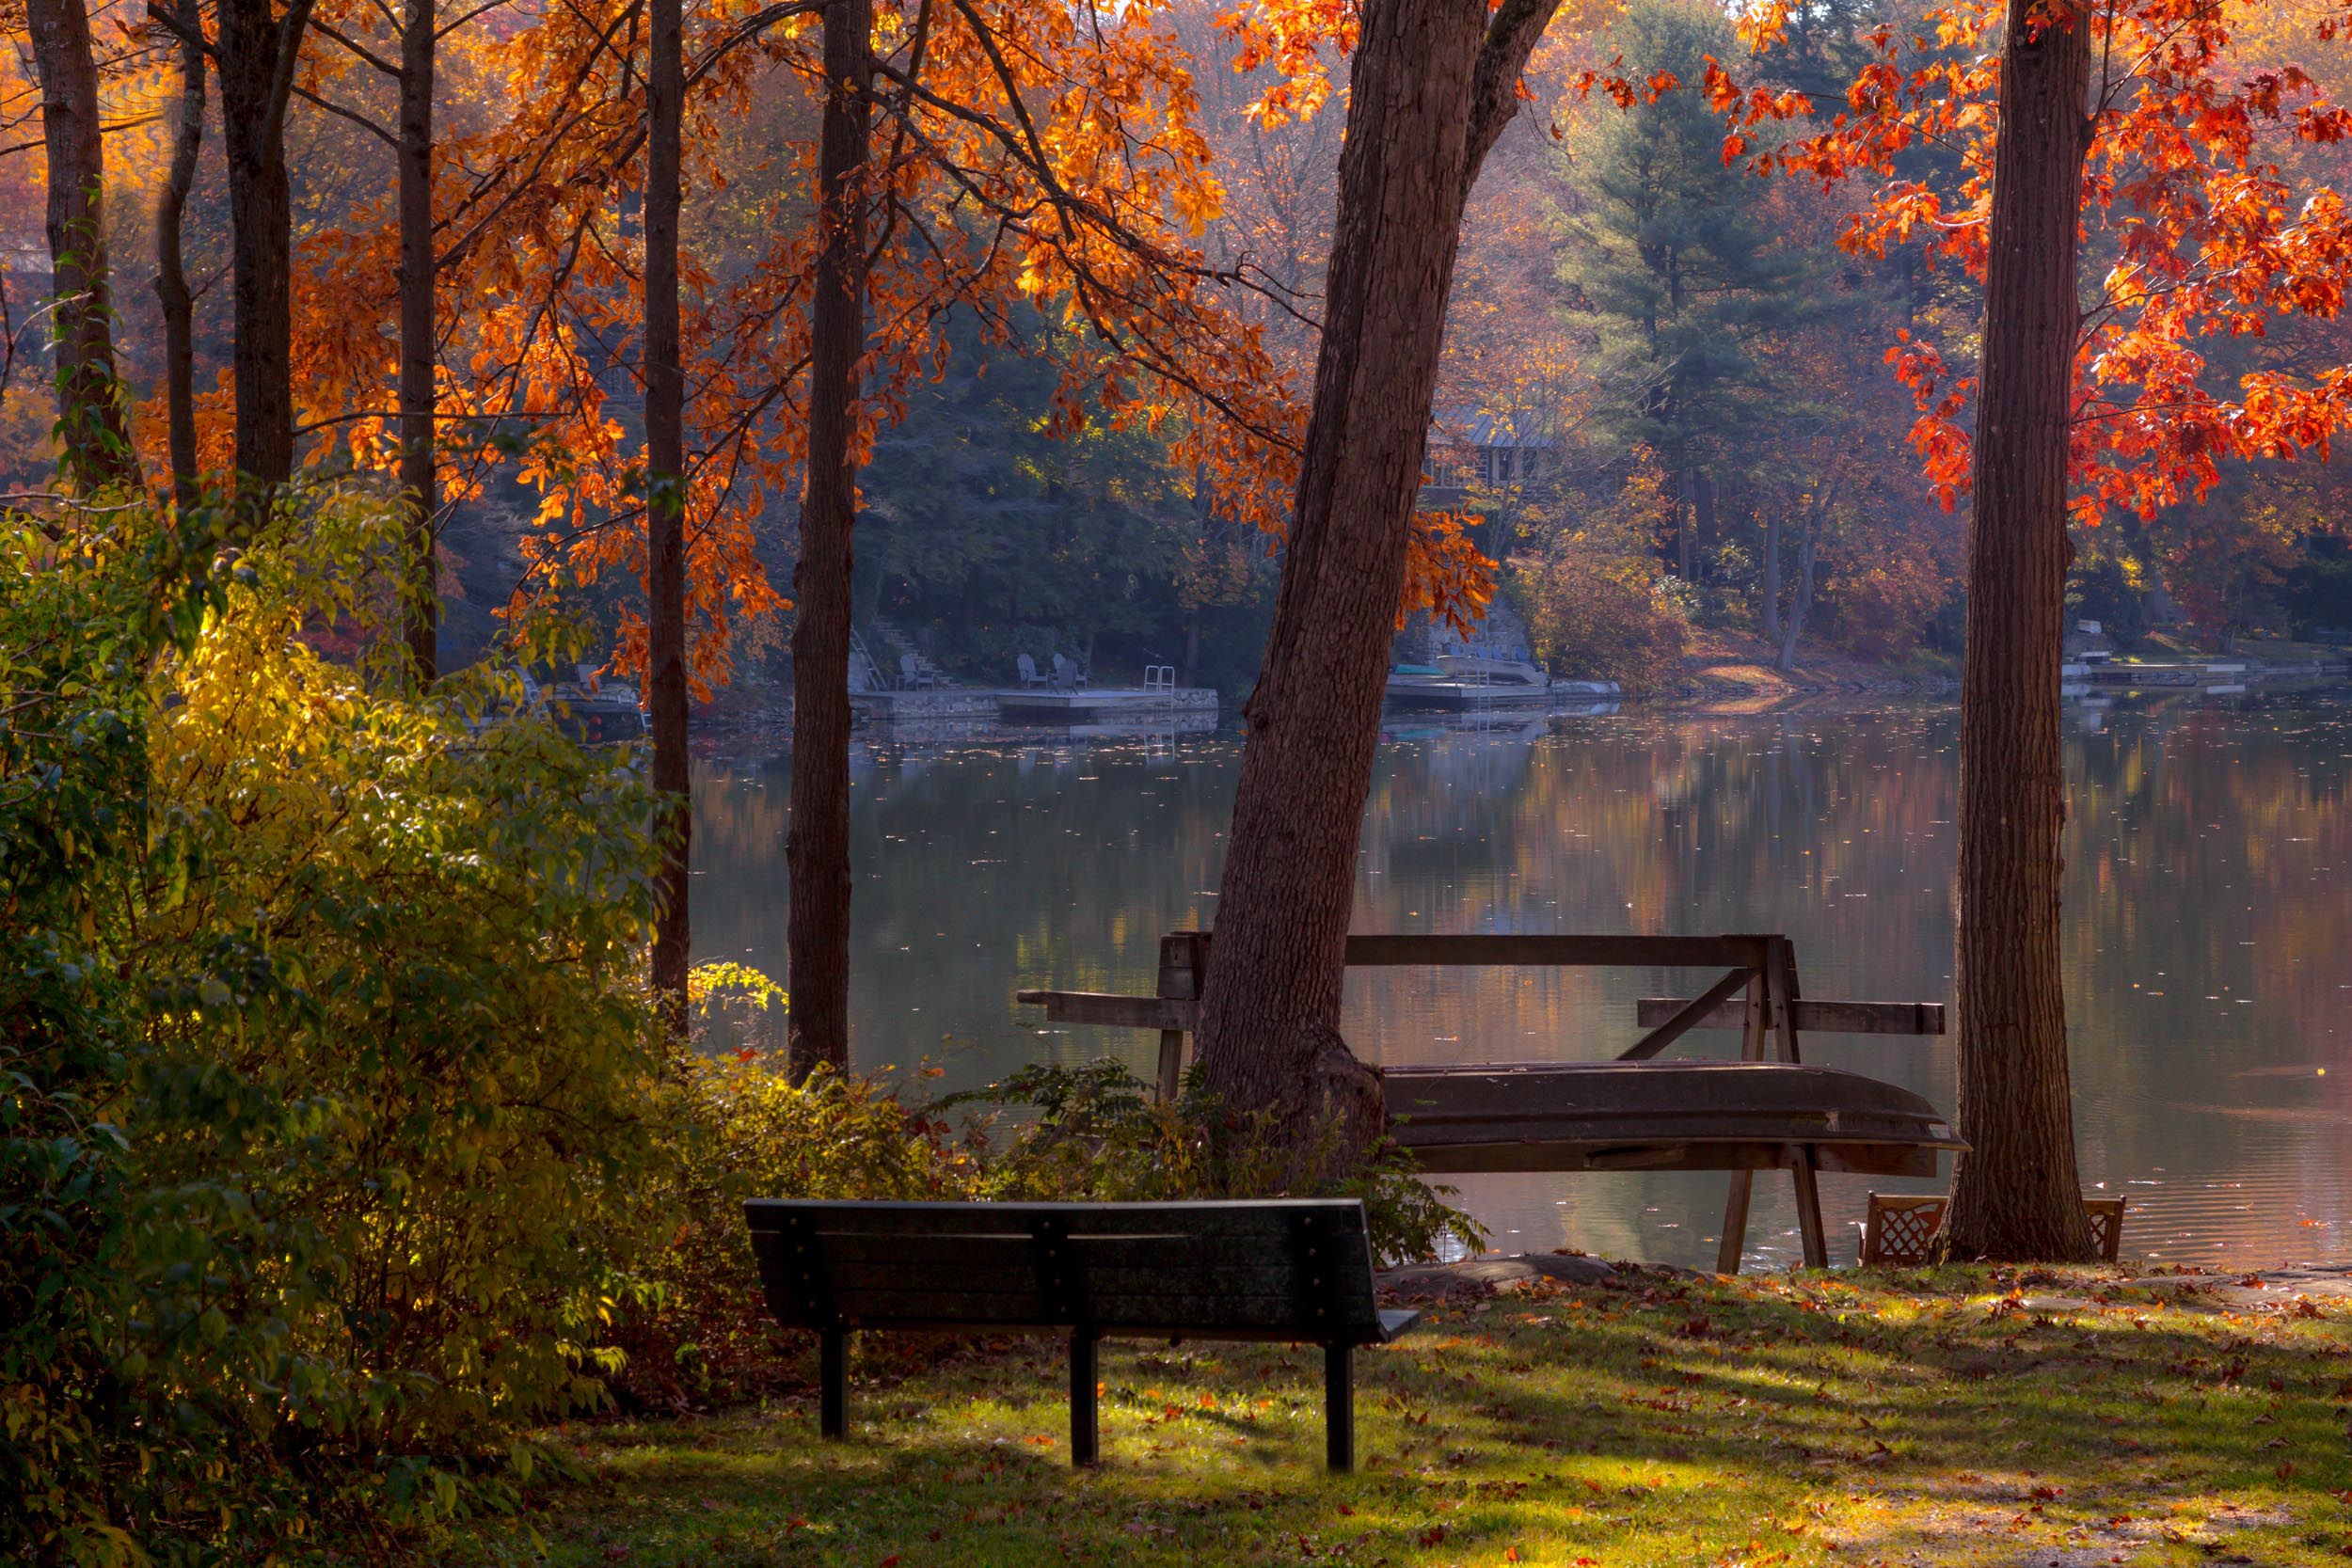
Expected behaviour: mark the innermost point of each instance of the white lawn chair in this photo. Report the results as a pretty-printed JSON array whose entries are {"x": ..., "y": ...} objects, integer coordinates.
[
  {"x": 1028, "y": 671},
  {"x": 1067, "y": 674}
]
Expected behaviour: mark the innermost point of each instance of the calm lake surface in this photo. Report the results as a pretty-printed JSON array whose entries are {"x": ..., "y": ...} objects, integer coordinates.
[{"x": 2208, "y": 957}]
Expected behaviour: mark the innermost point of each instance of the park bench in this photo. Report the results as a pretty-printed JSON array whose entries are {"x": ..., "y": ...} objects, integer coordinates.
[
  {"x": 1292, "y": 1271},
  {"x": 1770, "y": 1110}
]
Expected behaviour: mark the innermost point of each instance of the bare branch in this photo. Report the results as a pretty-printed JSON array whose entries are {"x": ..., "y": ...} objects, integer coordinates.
[{"x": 352, "y": 115}]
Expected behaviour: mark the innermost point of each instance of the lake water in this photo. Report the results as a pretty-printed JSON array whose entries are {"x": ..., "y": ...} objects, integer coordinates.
[{"x": 2208, "y": 955}]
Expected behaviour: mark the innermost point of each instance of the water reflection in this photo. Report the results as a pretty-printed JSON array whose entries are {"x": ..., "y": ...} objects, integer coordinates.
[{"x": 2208, "y": 924}]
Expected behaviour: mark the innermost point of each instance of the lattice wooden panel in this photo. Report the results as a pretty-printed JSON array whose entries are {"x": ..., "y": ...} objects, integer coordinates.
[
  {"x": 2107, "y": 1224},
  {"x": 1899, "y": 1230}
]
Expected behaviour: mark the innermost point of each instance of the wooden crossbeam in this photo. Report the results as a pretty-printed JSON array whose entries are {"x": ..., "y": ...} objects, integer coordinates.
[
  {"x": 1726, "y": 952},
  {"x": 1685, "y": 1018},
  {"x": 1810, "y": 1017},
  {"x": 1129, "y": 1012},
  {"x": 1651, "y": 1012}
]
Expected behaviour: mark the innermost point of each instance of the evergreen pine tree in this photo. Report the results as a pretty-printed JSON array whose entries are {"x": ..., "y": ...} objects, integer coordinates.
[{"x": 1671, "y": 259}]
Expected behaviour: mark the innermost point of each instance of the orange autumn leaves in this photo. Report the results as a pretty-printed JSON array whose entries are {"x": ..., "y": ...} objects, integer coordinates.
[
  {"x": 2210, "y": 223},
  {"x": 1032, "y": 162}
]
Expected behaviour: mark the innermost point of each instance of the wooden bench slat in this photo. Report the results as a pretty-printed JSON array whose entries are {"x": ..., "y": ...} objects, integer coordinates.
[
  {"x": 1139, "y": 1280},
  {"x": 1201, "y": 1315},
  {"x": 1166, "y": 1254},
  {"x": 1272, "y": 1217}
]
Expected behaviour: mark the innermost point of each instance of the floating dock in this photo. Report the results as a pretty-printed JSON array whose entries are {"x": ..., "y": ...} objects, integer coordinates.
[
  {"x": 1103, "y": 704},
  {"x": 1474, "y": 696},
  {"x": 1062, "y": 705}
]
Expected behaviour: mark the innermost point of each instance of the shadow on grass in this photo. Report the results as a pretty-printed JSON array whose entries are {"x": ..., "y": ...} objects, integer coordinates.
[{"x": 1834, "y": 1419}]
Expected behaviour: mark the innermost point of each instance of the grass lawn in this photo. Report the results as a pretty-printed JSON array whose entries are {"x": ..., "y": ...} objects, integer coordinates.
[{"x": 1961, "y": 1417}]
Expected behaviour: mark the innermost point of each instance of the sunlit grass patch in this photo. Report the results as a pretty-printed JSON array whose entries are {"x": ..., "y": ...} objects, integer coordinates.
[{"x": 1950, "y": 1418}]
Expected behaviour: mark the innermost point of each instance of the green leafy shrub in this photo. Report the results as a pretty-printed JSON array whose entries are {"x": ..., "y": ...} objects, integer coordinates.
[
  {"x": 345, "y": 1010},
  {"x": 742, "y": 1128},
  {"x": 1098, "y": 1133},
  {"x": 81, "y": 615},
  {"x": 738, "y": 1127}
]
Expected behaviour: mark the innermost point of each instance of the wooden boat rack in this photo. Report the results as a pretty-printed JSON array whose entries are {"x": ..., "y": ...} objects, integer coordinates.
[{"x": 1769, "y": 1110}]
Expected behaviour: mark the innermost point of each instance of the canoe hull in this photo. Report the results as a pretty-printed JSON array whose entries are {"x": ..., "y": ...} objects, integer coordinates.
[{"x": 1661, "y": 1116}]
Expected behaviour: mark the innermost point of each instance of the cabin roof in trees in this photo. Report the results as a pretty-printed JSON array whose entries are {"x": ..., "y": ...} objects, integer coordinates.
[{"x": 1518, "y": 430}]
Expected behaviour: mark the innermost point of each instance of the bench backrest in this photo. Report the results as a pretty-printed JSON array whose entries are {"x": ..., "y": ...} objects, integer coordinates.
[{"x": 1279, "y": 1269}]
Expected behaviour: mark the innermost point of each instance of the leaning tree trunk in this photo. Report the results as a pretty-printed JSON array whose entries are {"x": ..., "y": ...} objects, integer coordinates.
[
  {"x": 255, "y": 62},
  {"x": 2015, "y": 1194},
  {"x": 665, "y": 503},
  {"x": 97, "y": 444},
  {"x": 171, "y": 272},
  {"x": 1432, "y": 84},
  {"x": 419, "y": 478},
  {"x": 817, "y": 846}
]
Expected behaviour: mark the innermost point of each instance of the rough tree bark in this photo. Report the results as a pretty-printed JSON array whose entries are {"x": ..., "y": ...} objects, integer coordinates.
[
  {"x": 419, "y": 478},
  {"x": 171, "y": 273},
  {"x": 665, "y": 500},
  {"x": 1431, "y": 86},
  {"x": 98, "y": 450},
  {"x": 817, "y": 845},
  {"x": 1800, "y": 602},
  {"x": 1771, "y": 575},
  {"x": 257, "y": 49},
  {"x": 2015, "y": 1193}
]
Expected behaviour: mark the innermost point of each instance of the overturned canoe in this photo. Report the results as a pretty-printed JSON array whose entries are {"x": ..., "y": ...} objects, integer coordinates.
[{"x": 1660, "y": 1116}]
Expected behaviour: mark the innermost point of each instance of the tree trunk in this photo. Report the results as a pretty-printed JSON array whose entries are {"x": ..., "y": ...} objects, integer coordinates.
[
  {"x": 665, "y": 503},
  {"x": 1772, "y": 576},
  {"x": 419, "y": 478},
  {"x": 2015, "y": 1194},
  {"x": 1686, "y": 509},
  {"x": 171, "y": 274},
  {"x": 256, "y": 66},
  {"x": 1431, "y": 86},
  {"x": 97, "y": 443},
  {"x": 817, "y": 845},
  {"x": 1702, "y": 510},
  {"x": 1800, "y": 602}
]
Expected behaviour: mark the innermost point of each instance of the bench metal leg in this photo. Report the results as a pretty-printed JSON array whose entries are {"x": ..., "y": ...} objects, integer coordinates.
[
  {"x": 834, "y": 1383},
  {"x": 1338, "y": 1407},
  {"x": 1085, "y": 1373}
]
